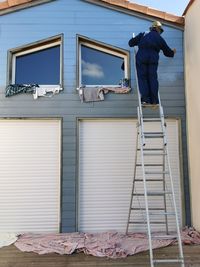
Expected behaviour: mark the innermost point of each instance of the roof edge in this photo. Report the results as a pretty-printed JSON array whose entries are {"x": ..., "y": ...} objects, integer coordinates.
[
  {"x": 126, "y": 6},
  {"x": 15, "y": 5},
  {"x": 188, "y": 7},
  {"x": 121, "y": 5}
]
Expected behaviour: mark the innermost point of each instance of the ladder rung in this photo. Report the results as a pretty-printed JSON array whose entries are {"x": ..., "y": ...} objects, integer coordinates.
[
  {"x": 149, "y": 165},
  {"x": 153, "y": 193},
  {"x": 169, "y": 261},
  {"x": 149, "y": 180},
  {"x": 151, "y": 149},
  {"x": 162, "y": 213},
  {"x": 151, "y": 119},
  {"x": 144, "y": 222},
  {"x": 153, "y": 135},
  {"x": 157, "y": 193},
  {"x": 156, "y": 172},
  {"x": 153, "y": 132},
  {"x": 148, "y": 105},
  {"x": 154, "y": 154},
  {"x": 149, "y": 208}
]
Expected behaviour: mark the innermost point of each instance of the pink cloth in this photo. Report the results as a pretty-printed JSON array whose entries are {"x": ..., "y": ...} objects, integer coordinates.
[
  {"x": 190, "y": 236},
  {"x": 109, "y": 244}
]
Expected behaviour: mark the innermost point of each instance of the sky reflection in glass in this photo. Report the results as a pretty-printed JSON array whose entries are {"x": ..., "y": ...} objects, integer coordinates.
[
  {"x": 40, "y": 67},
  {"x": 100, "y": 68}
]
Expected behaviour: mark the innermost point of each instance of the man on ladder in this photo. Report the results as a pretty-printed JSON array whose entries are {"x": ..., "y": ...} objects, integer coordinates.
[
  {"x": 152, "y": 162},
  {"x": 147, "y": 58}
]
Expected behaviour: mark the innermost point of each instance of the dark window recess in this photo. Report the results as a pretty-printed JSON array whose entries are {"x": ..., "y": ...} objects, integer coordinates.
[
  {"x": 100, "y": 68},
  {"x": 40, "y": 67}
]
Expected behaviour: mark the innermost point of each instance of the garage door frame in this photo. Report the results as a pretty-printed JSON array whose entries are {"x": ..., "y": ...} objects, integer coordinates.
[
  {"x": 60, "y": 148},
  {"x": 177, "y": 119}
]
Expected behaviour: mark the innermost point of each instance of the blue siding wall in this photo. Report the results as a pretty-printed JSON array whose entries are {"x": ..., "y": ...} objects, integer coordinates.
[{"x": 74, "y": 17}]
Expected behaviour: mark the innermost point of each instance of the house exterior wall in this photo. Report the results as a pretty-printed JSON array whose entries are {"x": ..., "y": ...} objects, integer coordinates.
[
  {"x": 104, "y": 25},
  {"x": 192, "y": 66}
]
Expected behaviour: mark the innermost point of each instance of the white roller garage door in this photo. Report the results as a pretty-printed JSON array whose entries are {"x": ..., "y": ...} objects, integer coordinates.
[
  {"x": 29, "y": 175},
  {"x": 106, "y": 166}
]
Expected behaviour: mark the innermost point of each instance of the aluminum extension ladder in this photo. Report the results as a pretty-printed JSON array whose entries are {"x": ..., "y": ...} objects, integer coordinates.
[{"x": 152, "y": 166}]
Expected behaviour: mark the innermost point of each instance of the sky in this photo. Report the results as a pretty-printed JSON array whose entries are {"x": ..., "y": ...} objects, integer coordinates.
[{"x": 175, "y": 7}]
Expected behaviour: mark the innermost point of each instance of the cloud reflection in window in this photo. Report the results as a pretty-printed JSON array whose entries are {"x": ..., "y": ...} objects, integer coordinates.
[
  {"x": 92, "y": 70},
  {"x": 100, "y": 67}
]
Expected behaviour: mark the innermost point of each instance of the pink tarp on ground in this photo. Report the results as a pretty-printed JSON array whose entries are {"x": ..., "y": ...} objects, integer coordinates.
[
  {"x": 190, "y": 236},
  {"x": 108, "y": 244}
]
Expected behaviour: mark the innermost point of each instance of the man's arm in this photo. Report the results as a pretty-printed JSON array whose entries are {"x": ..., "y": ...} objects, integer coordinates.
[
  {"x": 167, "y": 51},
  {"x": 134, "y": 41}
]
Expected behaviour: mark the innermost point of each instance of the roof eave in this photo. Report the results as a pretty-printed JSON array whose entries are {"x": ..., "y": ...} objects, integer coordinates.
[
  {"x": 5, "y": 8},
  {"x": 119, "y": 5},
  {"x": 140, "y": 10}
]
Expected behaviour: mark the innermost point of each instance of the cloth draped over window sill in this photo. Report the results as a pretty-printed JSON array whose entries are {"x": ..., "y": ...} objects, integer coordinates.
[
  {"x": 46, "y": 91},
  {"x": 35, "y": 89},
  {"x": 90, "y": 94}
]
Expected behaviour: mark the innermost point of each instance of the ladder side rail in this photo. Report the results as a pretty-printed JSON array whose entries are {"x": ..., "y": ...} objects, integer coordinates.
[
  {"x": 164, "y": 189},
  {"x": 163, "y": 126},
  {"x": 133, "y": 186},
  {"x": 141, "y": 124},
  {"x": 146, "y": 202},
  {"x": 162, "y": 118},
  {"x": 175, "y": 209},
  {"x": 140, "y": 113}
]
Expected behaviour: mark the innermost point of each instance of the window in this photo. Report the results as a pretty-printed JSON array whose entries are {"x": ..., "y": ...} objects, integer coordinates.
[
  {"x": 37, "y": 64},
  {"x": 101, "y": 65}
]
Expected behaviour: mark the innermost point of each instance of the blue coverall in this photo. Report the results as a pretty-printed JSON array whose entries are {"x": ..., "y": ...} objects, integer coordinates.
[{"x": 147, "y": 58}]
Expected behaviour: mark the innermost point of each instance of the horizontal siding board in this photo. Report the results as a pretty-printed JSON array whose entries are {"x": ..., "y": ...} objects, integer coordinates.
[{"x": 131, "y": 104}]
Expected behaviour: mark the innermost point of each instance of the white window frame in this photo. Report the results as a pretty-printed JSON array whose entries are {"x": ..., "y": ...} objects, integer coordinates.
[
  {"x": 39, "y": 47},
  {"x": 108, "y": 50}
]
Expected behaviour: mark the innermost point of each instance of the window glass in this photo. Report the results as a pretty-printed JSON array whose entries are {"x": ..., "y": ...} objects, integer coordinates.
[
  {"x": 100, "y": 68},
  {"x": 40, "y": 67}
]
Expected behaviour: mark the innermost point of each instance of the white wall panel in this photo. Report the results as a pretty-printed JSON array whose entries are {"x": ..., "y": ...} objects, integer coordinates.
[
  {"x": 106, "y": 166},
  {"x": 29, "y": 175}
]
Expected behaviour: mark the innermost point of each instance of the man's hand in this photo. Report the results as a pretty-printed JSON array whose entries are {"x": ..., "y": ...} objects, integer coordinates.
[{"x": 174, "y": 50}]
